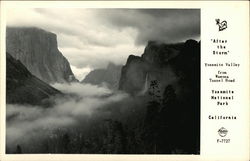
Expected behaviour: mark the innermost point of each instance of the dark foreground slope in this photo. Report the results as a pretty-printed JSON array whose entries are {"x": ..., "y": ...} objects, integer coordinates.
[{"x": 24, "y": 88}]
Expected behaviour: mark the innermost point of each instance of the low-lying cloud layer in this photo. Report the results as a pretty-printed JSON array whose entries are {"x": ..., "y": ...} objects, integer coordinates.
[
  {"x": 90, "y": 38},
  {"x": 24, "y": 121}
]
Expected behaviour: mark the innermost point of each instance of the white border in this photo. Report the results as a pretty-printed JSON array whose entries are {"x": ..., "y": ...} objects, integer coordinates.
[{"x": 207, "y": 8}]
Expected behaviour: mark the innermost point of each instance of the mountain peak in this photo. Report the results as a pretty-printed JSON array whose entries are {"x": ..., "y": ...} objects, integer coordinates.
[
  {"x": 111, "y": 65},
  {"x": 109, "y": 76},
  {"x": 29, "y": 29},
  {"x": 37, "y": 50},
  {"x": 157, "y": 63}
]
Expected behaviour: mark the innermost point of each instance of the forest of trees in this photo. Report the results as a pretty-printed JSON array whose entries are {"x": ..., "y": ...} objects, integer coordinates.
[{"x": 160, "y": 126}]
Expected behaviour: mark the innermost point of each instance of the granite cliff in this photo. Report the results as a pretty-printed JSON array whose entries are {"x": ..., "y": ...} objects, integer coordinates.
[
  {"x": 169, "y": 76},
  {"x": 38, "y": 52},
  {"x": 166, "y": 63}
]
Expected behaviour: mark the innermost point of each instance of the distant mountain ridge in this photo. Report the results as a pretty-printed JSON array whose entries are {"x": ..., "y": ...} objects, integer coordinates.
[
  {"x": 37, "y": 50},
  {"x": 109, "y": 76},
  {"x": 24, "y": 88}
]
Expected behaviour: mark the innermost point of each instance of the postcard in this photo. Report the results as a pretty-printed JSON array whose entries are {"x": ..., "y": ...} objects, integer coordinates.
[{"x": 124, "y": 80}]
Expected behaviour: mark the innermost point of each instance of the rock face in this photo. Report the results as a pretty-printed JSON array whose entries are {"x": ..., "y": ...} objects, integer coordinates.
[
  {"x": 169, "y": 76},
  {"x": 162, "y": 62},
  {"x": 24, "y": 88},
  {"x": 37, "y": 50},
  {"x": 109, "y": 76}
]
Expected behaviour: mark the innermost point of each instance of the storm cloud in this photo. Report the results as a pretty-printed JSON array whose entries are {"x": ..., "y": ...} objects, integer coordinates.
[
  {"x": 90, "y": 38},
  {"x": 171, "y": 25}
]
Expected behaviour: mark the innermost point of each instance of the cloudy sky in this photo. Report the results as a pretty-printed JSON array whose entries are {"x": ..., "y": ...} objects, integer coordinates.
[{"x": 90, "y": 38}]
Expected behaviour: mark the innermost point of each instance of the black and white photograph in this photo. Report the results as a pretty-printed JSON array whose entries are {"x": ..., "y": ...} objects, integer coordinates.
[{"x": 103, "y": 81}]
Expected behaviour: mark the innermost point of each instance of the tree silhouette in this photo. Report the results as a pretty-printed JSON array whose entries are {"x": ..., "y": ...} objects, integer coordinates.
[
  {"x": 154, "y": 90},
  {"x": 65, "y": 143},
  {"x": 18, "y": 149},
  {"x": 151, "y": 125},
  {"x": 168, "y": 95}
]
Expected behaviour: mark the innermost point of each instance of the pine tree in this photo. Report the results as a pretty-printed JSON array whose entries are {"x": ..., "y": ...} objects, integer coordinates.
[
  {"x": 65, "y": 143},
  {"x": 154, "y": 90},
  {"x": 151, "y": 125},
  {"x": 18, "y": 149}
]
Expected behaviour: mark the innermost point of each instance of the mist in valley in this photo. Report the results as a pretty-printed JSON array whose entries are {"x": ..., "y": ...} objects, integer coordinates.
[
  {"x": 102, "y": 81},
  {"x": 85, "y": 110}
]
